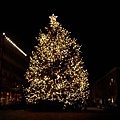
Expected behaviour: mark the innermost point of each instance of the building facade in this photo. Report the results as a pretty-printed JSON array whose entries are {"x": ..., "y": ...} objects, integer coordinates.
[
  {"x": 107, "y": 89},
  {"x": 13, "y": 64}
]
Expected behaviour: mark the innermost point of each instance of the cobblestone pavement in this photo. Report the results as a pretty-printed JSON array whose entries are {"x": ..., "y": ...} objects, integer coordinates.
[{"x": 90, "y": 114}]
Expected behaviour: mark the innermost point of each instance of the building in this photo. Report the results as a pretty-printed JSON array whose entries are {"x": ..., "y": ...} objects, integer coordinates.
[
  {"x": 13, "y": 65},
  {"x": 107, "y": 89}
]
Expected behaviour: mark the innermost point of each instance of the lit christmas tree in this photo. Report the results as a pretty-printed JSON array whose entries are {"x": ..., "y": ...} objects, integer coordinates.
[{"x": 56, "y": 70}]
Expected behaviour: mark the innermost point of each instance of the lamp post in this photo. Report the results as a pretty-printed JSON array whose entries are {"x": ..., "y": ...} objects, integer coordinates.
[{"x": 112, "y": 89}]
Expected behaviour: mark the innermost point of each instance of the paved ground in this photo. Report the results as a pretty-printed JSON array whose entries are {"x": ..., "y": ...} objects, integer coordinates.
[{"x": 90, "y": 114}]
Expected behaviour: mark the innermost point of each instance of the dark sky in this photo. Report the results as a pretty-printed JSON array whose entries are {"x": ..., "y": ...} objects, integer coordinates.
[{"x": 95, "y": 25}]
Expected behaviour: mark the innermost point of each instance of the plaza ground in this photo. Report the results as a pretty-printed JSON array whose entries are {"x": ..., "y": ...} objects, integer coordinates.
[{"x": 90, "y": 114}]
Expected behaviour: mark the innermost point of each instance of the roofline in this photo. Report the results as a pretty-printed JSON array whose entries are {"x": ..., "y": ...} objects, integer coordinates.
[{"x": 113, "y": 69}]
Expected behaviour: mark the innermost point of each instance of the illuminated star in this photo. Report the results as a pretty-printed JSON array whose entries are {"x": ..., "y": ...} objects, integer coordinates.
[{"x": 53, "y": 18}]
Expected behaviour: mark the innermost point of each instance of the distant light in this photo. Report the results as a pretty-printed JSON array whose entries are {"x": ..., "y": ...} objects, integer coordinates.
[
  {"x": 15, "y": 45},
  {"x": 111, "y": 79},
  {"x": 112, "y": 100}
]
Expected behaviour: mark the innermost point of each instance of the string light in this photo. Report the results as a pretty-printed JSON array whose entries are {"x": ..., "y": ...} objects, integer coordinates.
[{"x": 8, "y": 39}]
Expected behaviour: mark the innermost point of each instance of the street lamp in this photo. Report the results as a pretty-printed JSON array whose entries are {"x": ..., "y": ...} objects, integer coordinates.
[{"x": 112, "y": 89}]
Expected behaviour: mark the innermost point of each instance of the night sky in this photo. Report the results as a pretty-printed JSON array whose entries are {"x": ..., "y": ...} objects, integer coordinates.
[{"x": 95, "y": 25}]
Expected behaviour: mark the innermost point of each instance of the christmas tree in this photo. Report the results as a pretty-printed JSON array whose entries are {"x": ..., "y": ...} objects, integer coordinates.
[{"x": 56, "y": 69}]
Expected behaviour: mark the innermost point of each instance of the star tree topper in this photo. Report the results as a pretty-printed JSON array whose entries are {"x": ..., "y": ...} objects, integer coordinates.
[{"x": 53, "y": 18}]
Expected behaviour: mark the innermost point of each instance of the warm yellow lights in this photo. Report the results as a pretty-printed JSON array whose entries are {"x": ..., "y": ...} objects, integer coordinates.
[
  {"x": 56, "y": 69},
  {"x": 8, "y": 39}
]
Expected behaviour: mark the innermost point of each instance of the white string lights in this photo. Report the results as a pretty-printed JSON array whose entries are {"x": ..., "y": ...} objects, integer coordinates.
[{"x": 8, "y": 39}]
